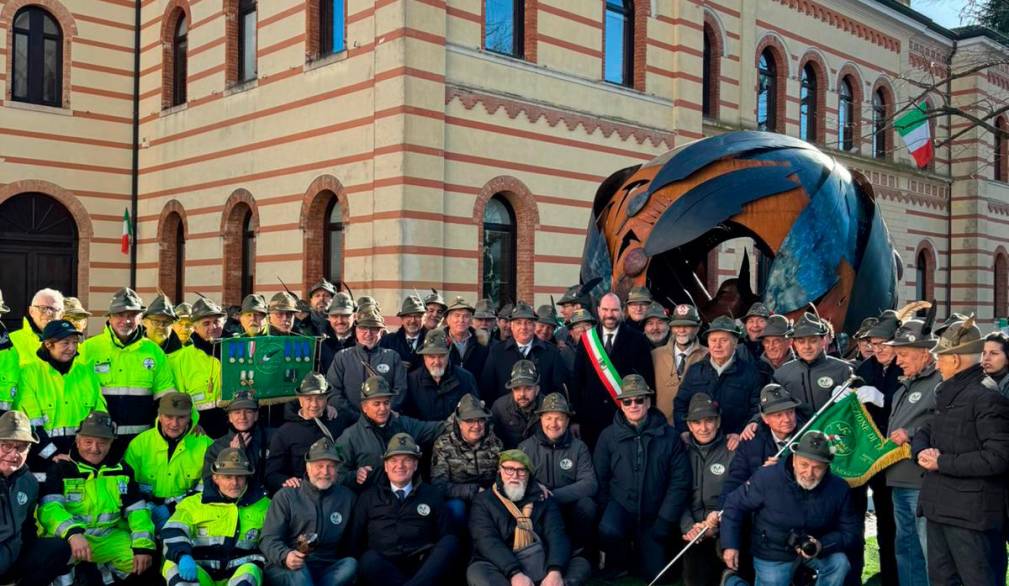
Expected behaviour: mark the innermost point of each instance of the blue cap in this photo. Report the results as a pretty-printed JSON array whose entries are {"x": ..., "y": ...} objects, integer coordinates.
[{"x": 59, "y": 329}]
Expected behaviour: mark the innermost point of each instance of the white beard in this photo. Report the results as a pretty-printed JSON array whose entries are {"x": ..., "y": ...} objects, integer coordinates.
[
  {"x": 808, "y": 486},
  {"x": 684, "y": 340},
  {"x": 436, "y": 372},
  {"x": 515, "y": 493}
]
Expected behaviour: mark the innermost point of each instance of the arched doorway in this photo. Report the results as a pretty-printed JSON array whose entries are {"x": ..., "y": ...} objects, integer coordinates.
[{"x": 38, "y": 248}]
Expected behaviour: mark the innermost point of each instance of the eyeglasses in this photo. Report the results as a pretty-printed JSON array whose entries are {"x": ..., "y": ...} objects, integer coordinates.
[
  {"x": 8, "y": 447},
  {"x": 634, "y": 401},
  {"x": 48, "y": 309},
  {"x": 512, "y": 471}
]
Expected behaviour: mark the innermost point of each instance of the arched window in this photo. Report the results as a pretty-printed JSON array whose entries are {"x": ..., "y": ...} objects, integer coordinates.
[
  {"x": 332, "y": 27},
  {"x": 180, "y": 262},
  {"x": 807, "y": 104},
  {"x": 333, "y": 254},
  {"x": 924, "y": 272},
  {"x": 1001, "y": 161},
  {"x": 880, "y": 108},
  {"x": 503, "y": 26},
  {"x": 172, "y": 252},
  {"x": 499, "y": 243},
  {"x": 618, "y": 52},
  {"x": 180, "y": 46},
  {"x": 767, "y": 92},
  {"x": 248, "y": 254},
  {"x": 846, "y": 115},
  {"x": 711, "y": 73},
  {"x": 1001, "y": 286},
  {"x": 37, "y": 67},
  {"x": 247, "y": 15}
]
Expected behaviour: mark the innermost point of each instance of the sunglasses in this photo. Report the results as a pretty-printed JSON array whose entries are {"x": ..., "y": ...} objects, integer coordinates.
[{"x": 634, "y": 401}]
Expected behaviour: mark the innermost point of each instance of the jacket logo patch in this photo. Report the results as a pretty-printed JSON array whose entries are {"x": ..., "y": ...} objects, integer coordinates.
[
  {"x": 825, "y": 382},
  {"x": 717, "y": 469},
  {"x": 566, "y": 464},
  {"x": 22, "y": 498},
  {"x": 336, "y": 518},
  {"x": 149, "y": 363},
  {"x": 423, "y": 510},
  {"x": 123, "y": 486},
  {"x": 914, "y": 397},
  {"x": 382, "y": 368},
  {"x": 102, "y": 367}
]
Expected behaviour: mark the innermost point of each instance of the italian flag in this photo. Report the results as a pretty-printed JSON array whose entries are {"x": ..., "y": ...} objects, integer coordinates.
[
  {"x": 607, "y": 373},
  {"x": 127, "y": 232},
  {"x": 914, "y": 129}
]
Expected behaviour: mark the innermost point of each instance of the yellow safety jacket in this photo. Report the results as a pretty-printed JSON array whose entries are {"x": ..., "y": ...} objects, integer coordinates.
[
  {"x": 198, "y": 375},
  {"x": 10, "y": 375},
  {"x": 27, "y": 340},
  {"x": 163, "y": 479}
]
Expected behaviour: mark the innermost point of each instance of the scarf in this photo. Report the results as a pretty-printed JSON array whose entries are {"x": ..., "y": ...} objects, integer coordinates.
[{"x": 524, "y": 534}]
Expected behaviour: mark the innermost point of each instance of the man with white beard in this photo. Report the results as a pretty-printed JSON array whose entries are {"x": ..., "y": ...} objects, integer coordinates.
[
  {"x": 518, "y": 535},
  {"x": 434, "y": 389},
  {"x": 674, "y": 358},
  {"x": 801, "y": 515},
  {"x": 656, "y": 327}
]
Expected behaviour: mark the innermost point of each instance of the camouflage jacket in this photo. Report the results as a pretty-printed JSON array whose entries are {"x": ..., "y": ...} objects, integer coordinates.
[{"x": 460, "y": 469}]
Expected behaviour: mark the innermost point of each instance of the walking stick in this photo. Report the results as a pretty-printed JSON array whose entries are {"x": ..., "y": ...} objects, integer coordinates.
[
  {"x": 682, "y": 551},
  {"x": 854, "y": 382}
]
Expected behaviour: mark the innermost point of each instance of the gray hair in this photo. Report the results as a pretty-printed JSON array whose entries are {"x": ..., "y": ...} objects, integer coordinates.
[{"x": 55, "y": 295}]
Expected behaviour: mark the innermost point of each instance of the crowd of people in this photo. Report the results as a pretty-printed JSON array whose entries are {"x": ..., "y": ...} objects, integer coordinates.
[{"x": 493, "y": 446}]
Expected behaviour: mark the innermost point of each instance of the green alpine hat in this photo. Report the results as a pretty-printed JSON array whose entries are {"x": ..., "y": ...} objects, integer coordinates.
[
  {"x": 232, "y": 462},
  {"x": 203, "y": 308},
  {"x": 74, "y": 309},
  {"x": 376, "y": 387},
  {"x": 962, "y": 337},
  {"x": 313, "y": 384},
  {"x": 402, "y": 444},
  {"x": 634, "y": 385},
  {"x": 436, "y": 299},
  {"x": 523, "y": 375},
  {"x": 175, "y": 405},
  {"x": 341, "y": 304},
  {"x": 284, "y": 301},
  {"x": 125, "y": 299},
  {"x": 582, "y": 316},
  {"x": 243, "y": 400},
  {"x": 555, "y": 403},
  {"x": 701, "y": 407},
  {"x": 370, "y": 318},
  {"x": 572, "y": 295},
  {"x": 639, "y": 295},
  {"x": 655, "y": 310},
  {"x": 809, "y": 325},
  {"x": 506, "y": 312},
  {"x": 865, "y": 326},
  {"x": 161, "y": 306},
  {"x": 515, "y": 456},
  {"x": 368, "y": 303},
  {"x": 522, "y": 310},
  {"x": 775, "y": 398},
  {"x": 324, "y": 285},
  {"x": 722, "y": 323},
  {"x": 685, "y": 314},
  {"x": 546, "y": 315},
  {"x": 412, "y": 305},
  {"x": 911, "y": 334},
  {"x": 255, "y": 303},
  {"x": 184, "y": 311},
  {"x": 435, "y": 342},
  {"x": 323, "y": 449},
  {"x": 484, "y": 309},
  {"x": 470, "y": 407},
  {"x": 98, "y": 424},
  {"x": 459, "y": 303},
  {"x": 777, "y": 326},
  {"x": 952, "y": 319},
  {"x": 15, "y": 427},
  {"x": 758, "y": 309},
  {"x": 815, "y": 446},
  {"x": 886, "y": 327}
]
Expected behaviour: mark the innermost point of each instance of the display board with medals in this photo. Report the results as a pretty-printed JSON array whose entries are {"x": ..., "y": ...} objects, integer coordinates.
[{"x": 269, "y": 367}]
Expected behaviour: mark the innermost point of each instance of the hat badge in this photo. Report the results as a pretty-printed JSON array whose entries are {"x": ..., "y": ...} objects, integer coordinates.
[
  {"x": 682, "y": 310},
  {"x": 911, "y": 338}
]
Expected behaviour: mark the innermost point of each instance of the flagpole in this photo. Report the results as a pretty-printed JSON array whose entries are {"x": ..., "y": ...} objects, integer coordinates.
[
  {"x": 854, "y": 381},
  {"x": 682, "y": 551}
]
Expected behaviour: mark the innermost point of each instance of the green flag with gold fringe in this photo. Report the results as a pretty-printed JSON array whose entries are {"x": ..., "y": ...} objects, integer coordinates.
[{"x": 860, "y": 451}]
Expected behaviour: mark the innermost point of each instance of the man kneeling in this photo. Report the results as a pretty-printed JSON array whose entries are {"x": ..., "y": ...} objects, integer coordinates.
[
  {"x": 802, "y": 515},
  {"x": 519, "y": 537}
]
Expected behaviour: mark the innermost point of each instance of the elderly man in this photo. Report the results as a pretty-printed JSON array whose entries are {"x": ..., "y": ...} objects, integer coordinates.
[
  {"x": 10, "y": 370},
  {"x": 627, "y": 351},
  {"x": 158, "y": 319},
  {"x": 504, "y": 329},
  {"x": 25, "y": 558},
  {"x": 434, "y": 310},
  {"x": 253, "y": 315},
  {"x": 802, "y": 515},
  {"x": 546, "y": 324},
  {"x": 812, "y": 376},
  {"x": 863, "y": 347},
  {"x": 733, "y": 382},
  {"x": 244, "y": 433},
  {"x": 351, "y": 367},
  {"x": 776, "y": 345},
  {"x": 464, "y": 457},
  {"x": 168, "y": 460},
  {"x": 295, "y": 558},
  {"x": 132, "y": 370},
  {"x": 964, "y": 449},
  {"x": 644, "y": 482},
  {"x": 340, "y": 334},
  {"x": 434, "y": 390},
  {"x": 638, "y": 300},
  {"x": 523, "y": 345},
  {"x": 485, "y": 319},
  {"x": 197, "y": 367},
  {"x": 656, "y": 326},
  {"x": 213, "y": 537},
  {"x": 913, "y": 405},
  {"x": 466, "y": 348},
  {"x": 363, "y": 442},
  {"x": 571, "y": 301},
  {"x": 710, "y": 458},
  {"x": 92, "y": 500},
  {"x": 673, "y": 359},
  {"x": 518, "y": 536},
  {"x": 401, "y": 526},
  {"x": 283, "y": 307},
  {"x": 320, "y": 295},
  {"x": 754, "y": 322},
  {"x": 285, "y": 462},
  {"x": 409, "y": 338},
  {"x": 47, "y": 305},
  {"x": 562, "y": 465},
  {"x": 994, "y": 361},
  {"x": 515, "y": 413},
  {"x": 183, "y": 326}
]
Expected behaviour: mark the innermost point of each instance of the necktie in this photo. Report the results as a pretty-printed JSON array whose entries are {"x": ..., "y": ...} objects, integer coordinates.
[
  {"x": 681, "y": 360},
  {"x": 525, "y": 351},
  {"x": 609, "y": 343},
  {"x": 401, "y": 495},
  {"x": 412, "y": 342}
]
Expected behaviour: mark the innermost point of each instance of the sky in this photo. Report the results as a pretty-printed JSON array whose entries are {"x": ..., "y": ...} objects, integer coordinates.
[{"x": 944, "y": 12}]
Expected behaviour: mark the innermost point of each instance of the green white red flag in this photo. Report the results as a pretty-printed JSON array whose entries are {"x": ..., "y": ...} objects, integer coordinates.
[
  {"x": 127, "y": 233},
  {"x": 607, "y": 373},
  {"x": 914, "y": 129}
]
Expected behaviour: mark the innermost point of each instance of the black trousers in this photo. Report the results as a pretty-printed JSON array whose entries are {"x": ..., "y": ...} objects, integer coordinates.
[
  {"x": 886, "y": 531},
  {"x": 702, "y": 564},
  {"x": 580, "y": 522},
  {"x": 965, "y": 556},
  {"x": 622, "y": 534},
  {"x": 42, "y": 560},
  {"x": 434, "y": 566},
  {"x": 484, "y": 573}
]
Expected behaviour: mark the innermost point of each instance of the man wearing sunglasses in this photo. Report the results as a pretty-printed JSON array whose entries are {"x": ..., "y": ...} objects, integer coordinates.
[
  {"x": 644, "y": 483},
  {"x": 47, "y": 306}
]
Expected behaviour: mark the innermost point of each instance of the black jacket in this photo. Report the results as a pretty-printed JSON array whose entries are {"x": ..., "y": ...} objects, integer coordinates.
[
  {"x": 564, "y": 466},
  {"x": 393, "y": 529},
  {"x": 644, "y": 469},
  {"x": 812, "y": 383},
  {"x": 303, "y": 510},
  {"x": 256, "y": 450},
  {"x": 397, "y": 342},
  {"x": 887, "y": 380},
  {"x": 330, "y": 346},
  {"x": 751, "y": 455},
  {"x": 632, "y": 354},
  {"x": 970, "y": 429},
  {"x": 780, "y": 506},
  {"x": 430, "y": 401},
  {"x": 512, "y": 424},
  {"x": 497, "y": 371},
  {"x": 493, "y": 531},
  {"x": 737, "y": 391},
  {"x": 17, "y": 514},
  {"x": 709, "y": 465},
  {"x": 290, "y": 443},
  {"x": 473, "y": 359}
]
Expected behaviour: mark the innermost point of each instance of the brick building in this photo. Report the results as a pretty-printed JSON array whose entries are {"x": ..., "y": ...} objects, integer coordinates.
[{"x": 407, "y": 144}]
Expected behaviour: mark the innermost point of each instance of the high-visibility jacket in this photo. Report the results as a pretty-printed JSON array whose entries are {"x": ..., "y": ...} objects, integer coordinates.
[
  {"x": 221, "y": 535},
  {"x": 10, "y": 373},
  {"x": 56, "y": 403},
  {"x": 163, "y": 479},
  {"x": 80, "y": 498},
  {"x": 27, "y": 340},
  {"x": 197, "y": 374},
  {"x": 132, "y": 375}
]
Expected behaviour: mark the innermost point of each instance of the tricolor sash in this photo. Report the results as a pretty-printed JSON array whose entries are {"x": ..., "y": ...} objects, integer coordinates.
[{"x": 605, "y": 370}]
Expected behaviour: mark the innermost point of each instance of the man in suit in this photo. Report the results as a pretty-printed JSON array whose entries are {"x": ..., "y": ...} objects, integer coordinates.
[
  {"x": 523, "y": 345},
  {"x": 629, "y": 352}
]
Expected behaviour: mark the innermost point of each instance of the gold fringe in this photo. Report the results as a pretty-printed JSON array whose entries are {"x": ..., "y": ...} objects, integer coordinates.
[{"x": 890, "y": 458}]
